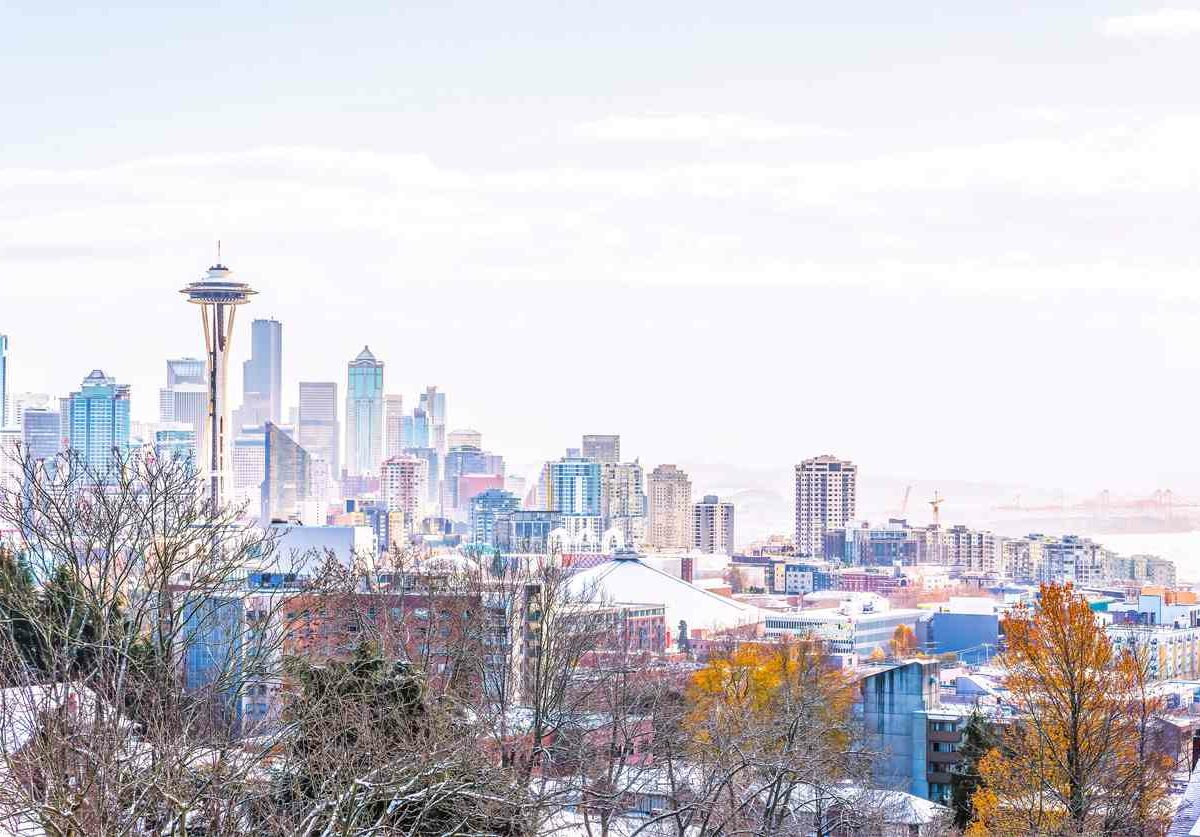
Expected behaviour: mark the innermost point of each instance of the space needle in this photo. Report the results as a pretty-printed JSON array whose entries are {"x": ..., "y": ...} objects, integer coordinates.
[{"x": 218, "y": 296}]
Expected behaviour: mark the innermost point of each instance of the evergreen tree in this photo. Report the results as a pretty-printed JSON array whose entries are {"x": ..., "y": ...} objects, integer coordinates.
[
  {"x": 978, "y": 739},
  {"x": 19, "y": 609}
]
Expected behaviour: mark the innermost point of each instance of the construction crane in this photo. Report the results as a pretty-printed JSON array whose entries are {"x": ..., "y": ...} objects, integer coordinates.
[
  {"x": 904, "y": 502},
  {"x": 936, "y": 502}
]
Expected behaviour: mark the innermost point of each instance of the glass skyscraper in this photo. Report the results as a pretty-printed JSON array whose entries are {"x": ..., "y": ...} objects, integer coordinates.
[
  {"x": 574, "y": 486},
  {"x": 40, "y": 433},
  {"x": 364, "y": 415},
  {"x": 414, "y": 429},
  {"x": 317, "y": 423},
  {"x": 287, "y": 474},
  {"x": 262, "y": 374},
  {"x": 97, "y": 423}
]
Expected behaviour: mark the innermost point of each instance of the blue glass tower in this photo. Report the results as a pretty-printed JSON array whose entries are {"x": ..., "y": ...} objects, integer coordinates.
[
  {"x": 97, "y": 423},
  {"x": 364, "y": 415},
  {"x": 40, "y": 430},
  {"x": 574, "y": 486},
  {"x": 485, "y": 508}
]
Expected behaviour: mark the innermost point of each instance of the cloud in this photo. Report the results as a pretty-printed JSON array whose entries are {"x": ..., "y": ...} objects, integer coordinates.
[
  {"x": 696, "y": 127},
  {"x": 1160, "y": 23}
]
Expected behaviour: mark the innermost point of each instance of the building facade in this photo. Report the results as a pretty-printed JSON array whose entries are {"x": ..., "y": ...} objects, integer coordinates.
[
  {"x": 364, "y": 414},
  {"x": 825, "y": 500},
  {"x": 486, "y": 508},
  {"x": 605, "y": 449},
  {"x": 712, "y": 526},
  {"x": 404, "y": 487},
  {"x": 97, "y": 422},
  {"x": 393, "y": 426},
  {"x": 669, "y": 501},
  {"x": 623, "y": 501},
  {"x": 262, "y": 374},
  {"x": 318, "y": 431},
  {"x": 287, "y": 476}
]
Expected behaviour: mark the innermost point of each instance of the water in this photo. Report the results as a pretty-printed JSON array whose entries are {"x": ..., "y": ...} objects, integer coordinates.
[{"x": 1181, "y": 547}]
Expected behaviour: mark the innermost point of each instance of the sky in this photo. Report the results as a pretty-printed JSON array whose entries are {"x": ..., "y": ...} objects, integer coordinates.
[{"x": 946, "y": 240}]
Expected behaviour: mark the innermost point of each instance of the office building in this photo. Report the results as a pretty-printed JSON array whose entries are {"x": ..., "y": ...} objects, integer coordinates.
[
  {"x": 486, "y": 508},
  {"x": 526, "y": 530},
  {"x": 414, "y": 430},
  {"x": 603, "y": 449},
  {"x": 430, "y": 455},
  {"x": 40, "y": 429},
  {"x": 262, "y": 374},
  {"x": 248, "y": 463},
  {"x": 712, "y": 526},
  {"x": 287, "y": 476},
  {"x": 19, "y": 402},
  {"x": 393, "y": 425},
  {"x": 184, "y": 370},
  {"x": 623, "y": 501},
  {"x": 862, "y": 623},
  {"x": 973, "y": 552},
  {"x": 218, "y": 297},
  {"x": 185, "y": 403},
  {"x": 460, "y": 461},
  {"x": 176, "y": 443},
  {"x": 574, "y": 486},
  {"x": 465, "y": 438},
  {"x": 317, "y": 428},
  {"x": 404, "y": 487},
  {"x": 97, "y": 421},
  {"x": 669, "y": 500},
  {"x": 825, "y": 501},
  {"x": 434, "y": 405},
  {"x": 364, "y": 415}
]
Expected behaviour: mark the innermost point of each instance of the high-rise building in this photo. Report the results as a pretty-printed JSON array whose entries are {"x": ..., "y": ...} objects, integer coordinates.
[
  {"x": 434, "y": 404},
  {"x": 364, "y": 414},
  {"x": 40, "y": 429},
  {"x": 459, "y": 462},
  {"x": 174, "y": 442},
  {"x": 669, "y": 498},
  {"x": 393, "y": 425},
  {"x": 218, "y": 296},
  {"x": 317, "y": 423},
  {"x": 19, "y": 402},
  {"x": 606, "y": 449},
  {"x": 404, "y": 486},
  {"x": 287, "y": 476},
  {"x": 184, "y": 370},
  {"x": 185, "y": 403},
  {"x": 623, "y": 500},
  {"x": 97, "y": 421},
  {"x": 465, "y": 438},
  {"x": 248, "y": 463},
  {"x": 11, "y": 466},
  {"x": 434, "y": 462},
  {"x": 486, "y": 507},
  {"x": 3, "y": 380},
  {"x": 414, "y": 430},
  {"x": 574, "y": 486},
  {"x": 262, "y": 374},
  {"x": 712, "y": 525},
  {"x": 825, "y": 500}
]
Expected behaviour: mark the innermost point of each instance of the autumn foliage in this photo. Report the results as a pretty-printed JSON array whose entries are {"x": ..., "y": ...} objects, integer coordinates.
[{"x": 1076, "y": 759}]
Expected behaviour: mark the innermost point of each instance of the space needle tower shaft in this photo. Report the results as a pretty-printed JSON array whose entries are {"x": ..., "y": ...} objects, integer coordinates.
[{"x": 218, "y": 295}]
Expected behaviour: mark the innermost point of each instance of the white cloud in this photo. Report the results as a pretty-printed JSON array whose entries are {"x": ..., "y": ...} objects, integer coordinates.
[
  {"x": 696, "y": 127},
  {"x": 1159, "y": 23}
]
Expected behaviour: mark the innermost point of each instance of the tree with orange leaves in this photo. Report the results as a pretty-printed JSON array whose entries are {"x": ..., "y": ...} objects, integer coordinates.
[
  {"x": 1077, "y": 758},
  {"x": 904, "y": 642}
]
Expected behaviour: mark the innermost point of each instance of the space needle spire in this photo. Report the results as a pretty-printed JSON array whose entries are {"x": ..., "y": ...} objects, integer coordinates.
[{"x": 218, "y": 296}]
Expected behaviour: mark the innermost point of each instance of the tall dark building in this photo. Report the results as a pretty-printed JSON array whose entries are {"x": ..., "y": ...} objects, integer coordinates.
[{"x": 262, "y": 374}]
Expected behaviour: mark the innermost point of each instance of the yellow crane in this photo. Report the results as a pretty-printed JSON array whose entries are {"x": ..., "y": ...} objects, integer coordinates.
[{"x": 936, "y": 502}]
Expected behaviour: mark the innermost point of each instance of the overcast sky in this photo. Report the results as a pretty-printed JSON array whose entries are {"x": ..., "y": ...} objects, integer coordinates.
[{"x": 943, "y": 239}]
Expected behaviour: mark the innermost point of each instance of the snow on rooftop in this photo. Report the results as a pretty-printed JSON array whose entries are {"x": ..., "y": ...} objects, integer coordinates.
[{"x": 634, "y": 581}]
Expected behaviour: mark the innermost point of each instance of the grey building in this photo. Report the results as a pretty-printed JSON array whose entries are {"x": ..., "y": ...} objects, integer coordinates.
[
  {"x": 825, "y": 500},
  {"x": 317, "y": 423},
  {"x": 604, "y": 449},
  {"x": 712, "y": 525}
]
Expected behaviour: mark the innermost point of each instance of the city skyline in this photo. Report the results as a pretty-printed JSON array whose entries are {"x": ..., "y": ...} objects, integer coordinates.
[{"x": 951, "y": 212}]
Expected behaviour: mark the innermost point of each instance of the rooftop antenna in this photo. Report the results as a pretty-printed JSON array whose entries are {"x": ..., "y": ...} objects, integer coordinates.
[{"x": 218, "y": 251}]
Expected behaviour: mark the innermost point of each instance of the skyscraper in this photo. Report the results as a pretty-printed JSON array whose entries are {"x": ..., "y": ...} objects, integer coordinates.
[
  {"x": 466, "y": 459},
  {"x": 414, "y": 430},
  {"x": 574, "y": 487},
  {"x": 184, "y": 370},
  {"x": 604, "y": 449},
  {"x": 40, "y": 430},
  {"x": 623, "y": 500},
  {"x": 393, "y": 425},
  {"x": 218, "y": 297},
  {"x": 287, "y": 475},
  {"x": 175, "y": 442},
  {"x": 434, "y": 404},
  {"x": 317, "y": 423},
  {"x": 467, "y": 437},
  {"x": 712, "y": 525},
  {"x": 364, "y": 414},
  {"x": 404, "y": 486},
  {"x": 825, "y": 500},
  {"x": 262, "y": 374},
  {"x": 97, "y": 421},
  {"x": 3, "y": 380},
  {"x": 486, "y": 507},
  {"x": 669, "y": 523}
]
